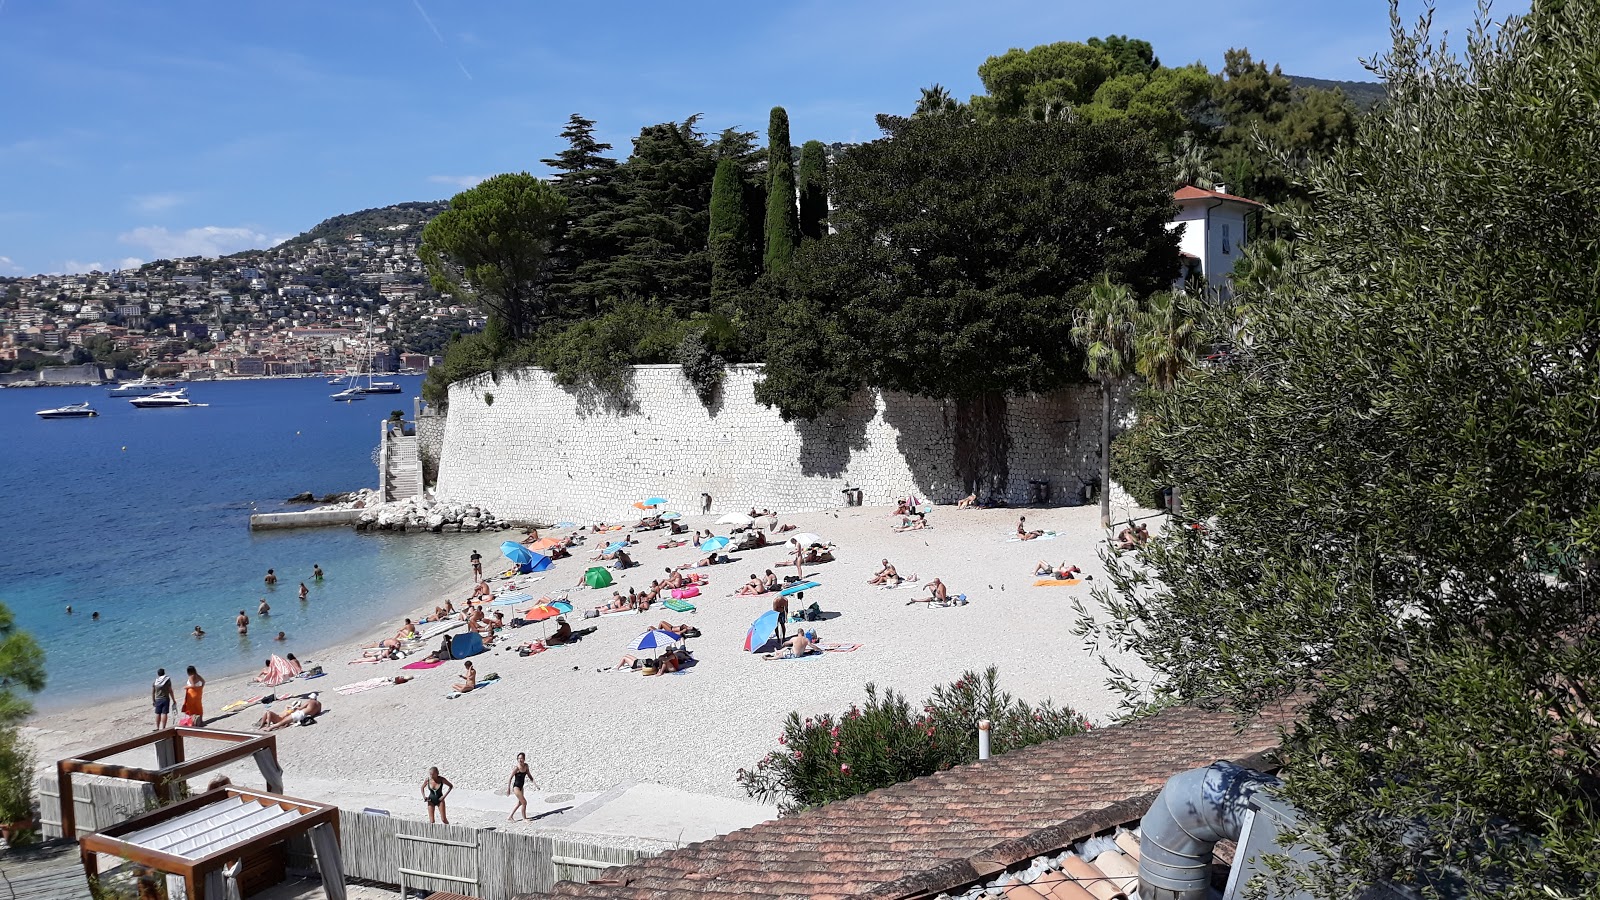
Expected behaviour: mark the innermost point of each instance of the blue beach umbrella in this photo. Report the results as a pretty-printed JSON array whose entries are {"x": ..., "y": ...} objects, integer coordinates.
[
  {"x": 654, "y": 501},
  {"x": 619, "y": 545},
  {"x": 654, "y": 640},
  {"x": 517, "y": 553},
  {"x": 761, "y": 631},
  {"x": 669, "y": 516},
  {"x": 712, "y": 545},
  {"x": 797, "y": 587}
]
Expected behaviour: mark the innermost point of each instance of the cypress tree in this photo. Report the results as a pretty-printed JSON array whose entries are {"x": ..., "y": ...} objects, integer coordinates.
[
  {"x": 730, "y": 232},
  {"x": 783, "y": 221},
  {"x": 813, "y": 189}
]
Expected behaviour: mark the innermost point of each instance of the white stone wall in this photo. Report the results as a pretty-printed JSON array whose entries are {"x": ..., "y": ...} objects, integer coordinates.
[{"x": 540, "y": 453}]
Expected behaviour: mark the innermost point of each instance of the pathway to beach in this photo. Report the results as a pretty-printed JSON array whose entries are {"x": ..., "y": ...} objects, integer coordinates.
[{"x": 591, "y": 734}]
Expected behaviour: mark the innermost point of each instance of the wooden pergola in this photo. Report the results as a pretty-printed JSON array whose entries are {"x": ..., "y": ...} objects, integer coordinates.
[
  {"x": 214, "y": 840},
  {"x": 174, "y": 768}
]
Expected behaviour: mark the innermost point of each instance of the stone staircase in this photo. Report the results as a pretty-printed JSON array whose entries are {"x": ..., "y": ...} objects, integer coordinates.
[{"x": 402, "y": 479}]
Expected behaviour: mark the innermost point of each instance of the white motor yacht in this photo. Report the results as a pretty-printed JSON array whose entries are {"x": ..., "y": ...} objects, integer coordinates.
[
  {"x": 75, "y": 411},
  {"x": 143, "y": 387},
  {"x": 166, "y": 400}
]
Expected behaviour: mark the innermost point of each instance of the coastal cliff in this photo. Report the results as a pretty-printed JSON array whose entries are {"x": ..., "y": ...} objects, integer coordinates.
[{"x": 532, "y": 451}]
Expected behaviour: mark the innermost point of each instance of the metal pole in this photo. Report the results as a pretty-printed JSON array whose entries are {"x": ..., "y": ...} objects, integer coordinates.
[{"x": 983, "y": 738}]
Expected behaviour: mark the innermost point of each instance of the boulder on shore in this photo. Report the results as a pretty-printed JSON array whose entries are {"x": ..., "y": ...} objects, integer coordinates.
[
  {"x": 420, "y": 515},
  {"x": 304, "y": 497}
]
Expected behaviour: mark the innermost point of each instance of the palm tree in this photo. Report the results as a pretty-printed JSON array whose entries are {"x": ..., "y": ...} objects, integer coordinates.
[
  {"x": 935, "y": 101},
  {"x": 1167, "y": 337},
  {"x": 1105, "y": 331},
  {"x": 1192, "y": 164}
]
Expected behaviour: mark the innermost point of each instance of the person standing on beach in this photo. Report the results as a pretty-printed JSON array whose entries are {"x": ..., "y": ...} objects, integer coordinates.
[
  {"x": 477, "y": 566},
  {"x": 161, "y": 697},
  {"x": 519, "y": 774},
  {"x": 243, "y": 622},
  {"x": 316, "y": 572},
  {"x": 435, "y": 788},
  {"x": 780, "y": 605},
  {"x": 271, "y": 579},
  {"x": 304, "y": 592},
  {"x": 194, "y": 690},
  {"x": 705, "y": 503}
]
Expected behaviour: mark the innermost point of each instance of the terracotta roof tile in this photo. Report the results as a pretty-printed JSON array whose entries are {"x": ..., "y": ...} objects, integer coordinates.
[
  {"x": 1190, "y": 192},
  {"x": 950, "y": 828}
]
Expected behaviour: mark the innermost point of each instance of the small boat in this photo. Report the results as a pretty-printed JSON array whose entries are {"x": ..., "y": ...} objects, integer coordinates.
[
  {"x": 380, "y": 387},
  {"x": 143, "y": 387},
  {"x": 75, "y": 411},
  {"x": 166, "y": 400},
  {"x": 348, "y": 395}
]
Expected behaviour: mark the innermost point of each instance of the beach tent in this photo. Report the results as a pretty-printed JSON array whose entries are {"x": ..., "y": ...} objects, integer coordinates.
[
  {"x": 526, "y": 560},
  {"x": 465, "y": 645},
  {"x": 597, "y": 577}
]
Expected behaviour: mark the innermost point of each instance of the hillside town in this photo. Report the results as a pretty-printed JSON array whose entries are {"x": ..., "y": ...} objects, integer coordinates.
[{"x": 329, "y": 304}]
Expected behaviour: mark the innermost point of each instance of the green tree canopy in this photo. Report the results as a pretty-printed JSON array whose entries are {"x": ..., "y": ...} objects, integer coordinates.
[
  {"x": 21, "y": 669},
  {"x": 813, "y": 184},
  {"x": 588, "y": 179},
  {"x": 1393, "y": 483},
  {"x": 783, "y": 219},
  {"x": 732, "y": 267},
  {"x": 494, "y": 245}
]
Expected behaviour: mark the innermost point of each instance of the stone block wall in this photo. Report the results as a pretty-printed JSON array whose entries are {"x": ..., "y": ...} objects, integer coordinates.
[
  {"x": 430, "y": 441},
  {"x": 531, "y": 451}
]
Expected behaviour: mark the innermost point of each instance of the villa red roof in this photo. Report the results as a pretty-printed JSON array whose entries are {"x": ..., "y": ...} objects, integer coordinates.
[
  {"x": 1190, "y": 192},
  {"x": 952, "y": 828}
]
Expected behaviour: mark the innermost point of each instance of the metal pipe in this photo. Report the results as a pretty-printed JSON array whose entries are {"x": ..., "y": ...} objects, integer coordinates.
[
  {"x": 983, "y": 738},
  {"x": 1194, "y": 811}
]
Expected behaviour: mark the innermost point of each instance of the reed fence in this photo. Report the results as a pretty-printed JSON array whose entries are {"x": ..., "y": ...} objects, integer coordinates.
[{"x": 98, "y": 804}]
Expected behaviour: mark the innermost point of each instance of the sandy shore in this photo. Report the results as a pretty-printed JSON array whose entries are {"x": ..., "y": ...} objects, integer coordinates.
[{"x": 587, "y": 732}]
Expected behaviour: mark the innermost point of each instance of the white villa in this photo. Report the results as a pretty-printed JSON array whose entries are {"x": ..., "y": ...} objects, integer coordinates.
[{"x": 1213, "y": 230}]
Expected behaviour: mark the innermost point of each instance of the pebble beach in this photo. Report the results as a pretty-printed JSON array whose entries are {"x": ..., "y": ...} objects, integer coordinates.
[{"x": 588, "y": 731}]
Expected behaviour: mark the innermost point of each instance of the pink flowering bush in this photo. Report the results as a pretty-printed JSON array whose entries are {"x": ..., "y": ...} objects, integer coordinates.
[{"x": 886, "y": 740}]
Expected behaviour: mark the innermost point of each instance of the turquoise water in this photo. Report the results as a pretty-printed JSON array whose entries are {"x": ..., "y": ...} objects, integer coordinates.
[{"x": 142, "y": 516}]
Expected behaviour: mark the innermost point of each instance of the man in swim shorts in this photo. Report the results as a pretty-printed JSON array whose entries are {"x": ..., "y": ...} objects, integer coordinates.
[{"x": 161, "y": 697}]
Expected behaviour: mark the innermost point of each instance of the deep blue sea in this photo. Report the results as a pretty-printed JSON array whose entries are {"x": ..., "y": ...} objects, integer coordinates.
[{"x": 142, "y": 515}]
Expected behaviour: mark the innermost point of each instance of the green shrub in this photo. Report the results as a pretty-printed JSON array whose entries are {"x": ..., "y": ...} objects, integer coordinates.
[
  {"x": 1135, "y": 464},
  {"x": 596, "y": 353},
  {"x": 885, "y": 741},
  {"x": 16, "y": 777},
  {"x": 701, "y": 366}
]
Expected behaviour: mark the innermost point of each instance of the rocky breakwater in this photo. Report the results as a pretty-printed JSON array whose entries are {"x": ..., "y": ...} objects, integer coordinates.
[{"x": 421, "y": 514}]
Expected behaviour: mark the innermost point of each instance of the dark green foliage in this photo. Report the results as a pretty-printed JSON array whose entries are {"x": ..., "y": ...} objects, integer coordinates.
[
  {"x": 885, "y": 741},
  {"x": 493, "y": 246},
  {"x": 813, "y": 184},
  {"x": 1396, "y": 479},
  {"x": 732, "y": 265},
  {"x": 702, "y": 367},
  {"x": 372, "y": 222},
  {"x": 21, "y": 669},
  {"x": 1135, "y": 464},
  {"x": 1363, "y": 95},
  {"x": 963, "y": 250},
  {"x": 594, "y": 354},
  {"x": 813, "y": 361},
  {"x": 783, "y": 221},
  {"x": 588, "y": 179}
]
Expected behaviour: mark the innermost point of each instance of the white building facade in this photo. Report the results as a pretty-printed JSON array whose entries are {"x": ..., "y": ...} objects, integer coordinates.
[{"x": 1213, "y": 229}]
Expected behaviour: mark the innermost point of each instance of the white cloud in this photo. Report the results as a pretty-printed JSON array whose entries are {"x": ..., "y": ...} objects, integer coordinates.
[
  {"x": 74, "y": 267},
  {"x": 461, "y": 181},
  {"x": 207, "y": 240},
  {"x": 129, "y": 262},
  {"x": 7, "y": 264},
  {"x": 154, "y": 203}
]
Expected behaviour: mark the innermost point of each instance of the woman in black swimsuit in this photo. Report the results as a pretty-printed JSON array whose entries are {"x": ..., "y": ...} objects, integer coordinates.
[
  {"x": 519, "y": 775},
  {"x": 435, "y": 788}
]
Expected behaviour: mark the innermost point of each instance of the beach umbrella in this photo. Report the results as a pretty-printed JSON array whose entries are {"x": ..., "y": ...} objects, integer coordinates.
[
  {"x": 544, "y": 544},
  {"x": 517, "y": 553},
  {"x": 799, "y": 586},
  {"x": 649, "y": 502},
  {"x": 761, "y": 631},
  {"x": 807, "y": 539},
  {"x": 597, "y": 577},
  {"x": 619, "y": 545},
  {"x": 739, "y": 519},
  {"x": 712, "y": 545},
  {"x": 669, "y": 516},
  {"x": 540, "y": 613},
  {"x": 654, "y": 639}
]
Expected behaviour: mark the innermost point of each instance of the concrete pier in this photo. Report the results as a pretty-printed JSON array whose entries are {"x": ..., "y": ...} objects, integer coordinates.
[{"x": 311, "y": 518}]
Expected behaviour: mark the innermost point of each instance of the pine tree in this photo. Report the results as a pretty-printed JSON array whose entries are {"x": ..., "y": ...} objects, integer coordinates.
[
  {"x": 731, "y": 263},
  {"x": 783, "y": 220},
  {"x": 588, "y": 179},
  {"x": 813, "y": 189}
]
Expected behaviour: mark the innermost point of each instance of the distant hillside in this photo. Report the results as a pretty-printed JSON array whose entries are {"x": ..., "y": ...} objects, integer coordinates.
[
  {"x": 1364, "y": 94},
  {"x": 372, "y": 222}
]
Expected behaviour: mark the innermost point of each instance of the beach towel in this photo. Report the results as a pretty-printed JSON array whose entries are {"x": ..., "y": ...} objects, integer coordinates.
[
  {"x": 1047, "y": 536},
  {"x": 1056, "y": 582},
  {"x": 193, "y": 700},
  {"x": 475, "y": 688},
  {"x": 278, "y": 671},
  {"x": 424, "y": 664},
  {"x": 679, "y": 605},
  {"x": 622, "y": 612},
  {"x": 241, "y": 704},
  {"x": 362, "y": 686},
  {"x": 840, "y": 648}
]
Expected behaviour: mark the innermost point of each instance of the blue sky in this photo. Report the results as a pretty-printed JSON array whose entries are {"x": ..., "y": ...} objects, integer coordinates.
[{"x": 131, "y": 130}]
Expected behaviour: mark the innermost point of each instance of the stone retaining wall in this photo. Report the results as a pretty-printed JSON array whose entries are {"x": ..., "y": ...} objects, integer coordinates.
[{"x": 531, "y": 451}]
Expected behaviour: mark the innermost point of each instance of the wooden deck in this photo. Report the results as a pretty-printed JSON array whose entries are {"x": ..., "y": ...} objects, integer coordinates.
[{"x": 49, "y": 871}]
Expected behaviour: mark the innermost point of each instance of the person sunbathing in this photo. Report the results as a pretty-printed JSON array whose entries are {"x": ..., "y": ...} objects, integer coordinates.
[
  {"x": 818, "y": 555},
  {"x": 886, "y": 575},
  {"x": 1063, "y": 571},
  {"x": 481, "y": 591},
  {"x": 675, "y": 579},
  {"x": 406, "y": 632},
  {"x": 671, "y": 661},
  {"x": 797, "y": 646},
  {"x": 1132, "y": 537},
  {"x": 265, "y": 675},
  {"x": 967, "y": 502},
  {"x": 901, "y": 508},
  {"x": 708, "y": 560},
  {"x": 297, "y": 711},
  {"x": 681, "y": 630},
  {"x": 294, "y": 665},
  {"x": 441, "y": 613},
  {"x": 677, "y": 527},
  {"x": 785, "y": 527},
  {"x": 563, "y": 632},
  {"x": 937, "y": 593},
  {"x": 1023, "y": 533},
  {"x": 753, "y": 586},
  {"x": 623, "y": 560},
  {"x": 621, "y": 604},
  {"x": 912, "y": 522},
  {"x": 469, "y": 679}
]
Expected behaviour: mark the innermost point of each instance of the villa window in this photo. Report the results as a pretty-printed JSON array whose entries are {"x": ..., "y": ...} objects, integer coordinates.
[{"x": 1224, "y": 238}]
